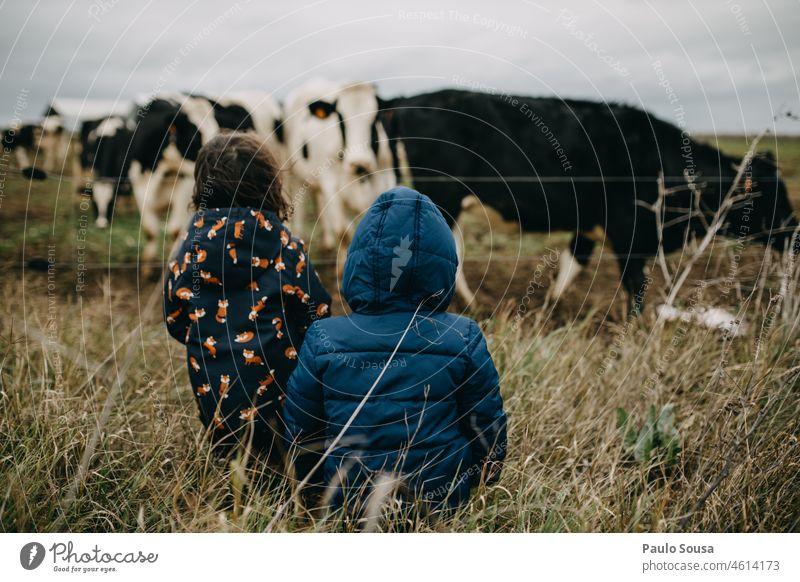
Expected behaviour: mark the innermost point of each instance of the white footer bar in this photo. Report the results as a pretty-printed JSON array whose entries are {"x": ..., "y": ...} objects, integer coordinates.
[{"x": 402, "y": 557}]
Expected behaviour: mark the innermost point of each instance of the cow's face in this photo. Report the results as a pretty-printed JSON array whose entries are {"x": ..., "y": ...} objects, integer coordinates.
[{"x": 357, "y": 108}]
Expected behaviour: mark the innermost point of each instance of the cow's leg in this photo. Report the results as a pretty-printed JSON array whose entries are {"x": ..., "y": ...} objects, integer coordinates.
[
  {"x": 451, "y": 205},
  {"x": 47, "y": 147},
  {"x": 462, "y": 286},
  {"x": 28, "y": 170},
  {"x": 331, "y": 213},
  {"x": 103, "y": 197},
  {"x": 634, "y": 280},
  {"x": 571, "y": 261},
  {"x": 146, "y": 189},
  {"x": 179, "y": 208}
]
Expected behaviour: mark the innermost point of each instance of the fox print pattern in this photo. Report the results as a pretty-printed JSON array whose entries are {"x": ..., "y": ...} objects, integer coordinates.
[
  {"x": 238, "y": 230},
  {"x": 248, "y": 414},
  {"x": 266, "y": 383},
  {"x": 260, "y": 304},
  {"x": 244, "y": 337},
  {"x": 259, "y": 262},
  {"x": 174, "y": 315},
  {"x": 209, "y": 278},
  {"x": 184, "y": 293},
  {"x": 222, "y": 311},
  {"x": 232, "y": 253},
  {"x": 198, "y": 313},
  {"x": 212, "y": 234},
  {"x": 251, "y": 359},
  {"x": 224, "y": 385},
  {"x": 209, "y": 345},
  {"x": 242, "y": 321},
  {"x": 278, "y": 323},
  {"x": 279, "y": 264},
  {"x": 263, "y": 223}
]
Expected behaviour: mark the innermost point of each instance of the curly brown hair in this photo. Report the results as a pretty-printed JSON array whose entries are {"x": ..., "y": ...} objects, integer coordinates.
[{"x": 236, "y": 169}]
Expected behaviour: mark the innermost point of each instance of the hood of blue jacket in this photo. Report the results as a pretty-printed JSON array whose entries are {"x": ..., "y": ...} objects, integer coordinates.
[{"x": 402, "y": 254}]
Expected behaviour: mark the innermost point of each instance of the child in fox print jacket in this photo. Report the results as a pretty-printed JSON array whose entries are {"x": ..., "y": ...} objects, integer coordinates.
[{"x": 240, "y": 294}]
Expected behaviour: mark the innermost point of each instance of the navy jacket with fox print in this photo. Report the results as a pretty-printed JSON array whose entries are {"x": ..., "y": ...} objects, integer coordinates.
[{"x": 240, "y": 294}]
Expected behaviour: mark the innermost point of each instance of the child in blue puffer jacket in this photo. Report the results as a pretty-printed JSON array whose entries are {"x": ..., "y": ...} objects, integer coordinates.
[
  {"x": 432, "y": 424},
  {"x": 240, "y": 294}
]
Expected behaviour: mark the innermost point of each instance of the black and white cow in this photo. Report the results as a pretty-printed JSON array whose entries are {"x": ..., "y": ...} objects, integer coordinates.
[
  {"x": 38, "y": 147},
  {"x": 170, "y": 131},
  {"x": 168, "y": 135},
  {"x": 338, "y": 152},
  {"x": 104, "y": 160},
  {"x": 606, "y": 159}
]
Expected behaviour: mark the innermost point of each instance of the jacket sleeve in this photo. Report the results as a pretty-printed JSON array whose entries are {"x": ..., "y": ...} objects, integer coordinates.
[
  {"x": 480, "y": 409},
  {"x": 176, "y": 309},
  {"x": 303, "y": 410}
]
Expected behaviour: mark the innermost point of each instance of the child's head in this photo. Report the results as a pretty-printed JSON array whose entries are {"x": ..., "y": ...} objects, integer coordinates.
[{"x": 236, "y": 169}]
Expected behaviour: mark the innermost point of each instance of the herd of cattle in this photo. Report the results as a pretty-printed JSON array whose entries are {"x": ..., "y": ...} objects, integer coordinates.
[{"x": 597, "y": 170}]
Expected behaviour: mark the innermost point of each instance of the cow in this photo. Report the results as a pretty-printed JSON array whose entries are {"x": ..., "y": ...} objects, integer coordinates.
[
  {"x": 584, "y": 167},
  {"x": 38, "y": 147},
  {"x": 169, "y": 133},
  {"x": 337, "y": 151},
  {"x": 250, "y": 111},
  {"x": 255, "y": 111},
  {"x": 104, "y": 160},
  {"x": 171, "y": 129}
]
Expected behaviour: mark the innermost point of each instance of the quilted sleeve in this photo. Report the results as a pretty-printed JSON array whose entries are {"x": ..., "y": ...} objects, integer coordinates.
[
  {"x": 480, "y": 409},
  {"x": 303, "y": 412}
]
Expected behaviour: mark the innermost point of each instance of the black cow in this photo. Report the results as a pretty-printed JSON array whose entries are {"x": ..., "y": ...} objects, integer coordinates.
[
  {"x": 104, "y": 160},
  {"x": 602, "y": 162}
]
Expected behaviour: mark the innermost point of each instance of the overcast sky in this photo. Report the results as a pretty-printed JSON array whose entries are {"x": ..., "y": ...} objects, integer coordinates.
[{"x": 715, "y": 65}]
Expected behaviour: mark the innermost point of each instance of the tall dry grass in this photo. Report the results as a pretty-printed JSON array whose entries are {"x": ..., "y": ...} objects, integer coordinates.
[{"x": 737, "y": 405}]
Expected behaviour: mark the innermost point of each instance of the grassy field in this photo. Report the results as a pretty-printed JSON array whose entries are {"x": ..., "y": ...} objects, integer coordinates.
[{"x": 99, "y": 432}]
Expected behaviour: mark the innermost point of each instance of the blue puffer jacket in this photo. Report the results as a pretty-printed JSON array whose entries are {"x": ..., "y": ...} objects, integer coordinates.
[{"x": 436, "y": 417}]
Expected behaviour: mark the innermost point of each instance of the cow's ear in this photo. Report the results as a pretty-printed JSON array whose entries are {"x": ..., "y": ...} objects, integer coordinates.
[{"x": 321, "y": 109}]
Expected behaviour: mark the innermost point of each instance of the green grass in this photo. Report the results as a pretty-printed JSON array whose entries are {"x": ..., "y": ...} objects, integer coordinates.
[{"x": 736, "y": 402}]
